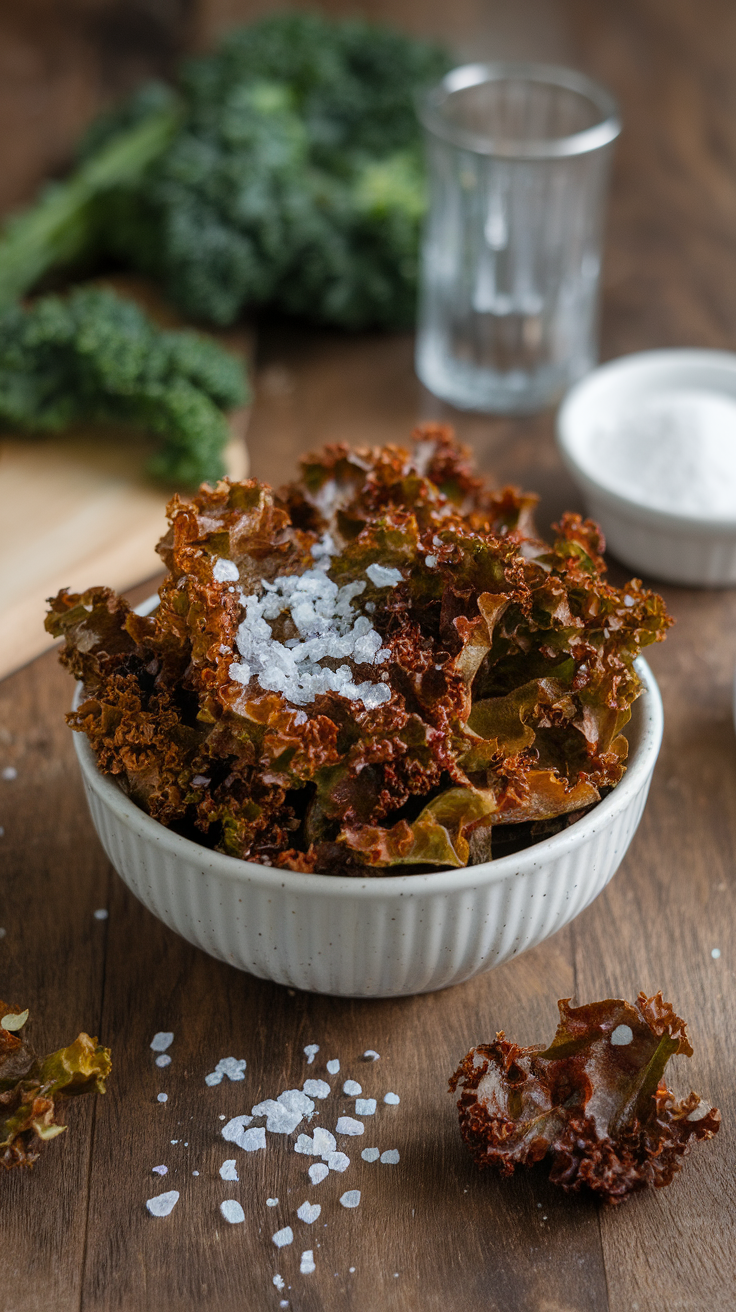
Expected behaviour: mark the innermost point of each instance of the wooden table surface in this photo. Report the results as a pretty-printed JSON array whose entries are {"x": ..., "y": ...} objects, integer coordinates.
[{"x": 430, "y": 1234}]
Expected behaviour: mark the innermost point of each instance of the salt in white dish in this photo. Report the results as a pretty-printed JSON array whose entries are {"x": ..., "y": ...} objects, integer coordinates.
[
  {"x": 383, "y": 936},
  {"x": 679, "y": 546}
]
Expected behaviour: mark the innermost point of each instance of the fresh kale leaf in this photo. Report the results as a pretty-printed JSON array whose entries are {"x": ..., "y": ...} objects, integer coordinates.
[{"x": 95, "y": 356}]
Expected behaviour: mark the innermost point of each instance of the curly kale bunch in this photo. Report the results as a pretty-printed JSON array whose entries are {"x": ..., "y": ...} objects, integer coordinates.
[
  {"x": 295, "y": 179},
  {"x": 95, "y": 356},
  {"x": 286, "y": 172}
]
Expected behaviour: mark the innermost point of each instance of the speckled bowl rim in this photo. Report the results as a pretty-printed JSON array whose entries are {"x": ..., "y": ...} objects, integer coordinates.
[
  {"x": 641, "y": 363},
  {"x": 640, "y": 767}
]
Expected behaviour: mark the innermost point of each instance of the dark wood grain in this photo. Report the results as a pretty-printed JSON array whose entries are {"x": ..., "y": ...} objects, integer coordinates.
[{"x": 76, "y": 1233}]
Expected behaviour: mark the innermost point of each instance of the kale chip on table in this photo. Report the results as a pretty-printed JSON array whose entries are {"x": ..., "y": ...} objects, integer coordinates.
[
  {"x": 593, "y": 1104},
  {"x": 380, "y": 666},
  {"x": 32, "y": 1087}
]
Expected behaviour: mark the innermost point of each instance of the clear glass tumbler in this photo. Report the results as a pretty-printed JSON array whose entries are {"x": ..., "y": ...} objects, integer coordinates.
[{"x": 519, "y": 156}]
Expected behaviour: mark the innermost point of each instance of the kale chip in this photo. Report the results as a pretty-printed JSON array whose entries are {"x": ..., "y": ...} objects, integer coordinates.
[{"x": 593, "y": 1104}]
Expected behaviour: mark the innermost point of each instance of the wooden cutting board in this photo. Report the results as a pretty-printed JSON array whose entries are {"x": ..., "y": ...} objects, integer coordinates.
[{"x": 78, "y": 510}]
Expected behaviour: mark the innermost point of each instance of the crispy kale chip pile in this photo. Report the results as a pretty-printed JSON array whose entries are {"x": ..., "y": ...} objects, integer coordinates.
[
  {"x": 95, "y": 356},
  {"x": 381, "y": 666},
  {"x": 31, "y": 1086},
  {"x": 594, "y": 1103},
  {"x": 285, "y": 169}
]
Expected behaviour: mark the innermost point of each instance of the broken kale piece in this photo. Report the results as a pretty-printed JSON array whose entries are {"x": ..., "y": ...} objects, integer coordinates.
[
  {"x": 378, "y": 666},
  {"x": 594, "y": 1102},
  {"x": 31, "y": 1086}
]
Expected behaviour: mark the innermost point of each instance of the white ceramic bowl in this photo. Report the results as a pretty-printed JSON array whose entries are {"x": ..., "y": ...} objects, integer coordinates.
[
  {"x": 683, "y": 549},
  {"x": 375, "y": 937}
]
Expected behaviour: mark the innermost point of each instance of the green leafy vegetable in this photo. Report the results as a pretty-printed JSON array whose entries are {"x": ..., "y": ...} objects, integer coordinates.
[
  {"x": 30, "y": 1086},
  {"x": 66, "y": 224},
  {"x": 287, "y": 172},
  {"x": 594, "y": 1102},
  {"x": 95, "y": 356},
  {"x": 382, "y": 665}
]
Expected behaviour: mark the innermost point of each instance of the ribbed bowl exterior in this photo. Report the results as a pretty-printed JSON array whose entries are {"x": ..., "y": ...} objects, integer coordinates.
[{"x": 374, "y": 937}]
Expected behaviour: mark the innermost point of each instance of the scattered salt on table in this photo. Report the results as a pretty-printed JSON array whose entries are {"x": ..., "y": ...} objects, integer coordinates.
[{"x": 163, "y": 1204}]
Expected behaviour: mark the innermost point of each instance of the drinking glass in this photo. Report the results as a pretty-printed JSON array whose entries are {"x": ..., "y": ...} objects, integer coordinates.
[{"x": 519, "y": 156}]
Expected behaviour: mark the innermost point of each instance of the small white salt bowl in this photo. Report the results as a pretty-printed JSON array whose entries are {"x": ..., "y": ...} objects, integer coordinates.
[
  {"x": 379, "y": 936},
  {"x": 690, "y": 548}
]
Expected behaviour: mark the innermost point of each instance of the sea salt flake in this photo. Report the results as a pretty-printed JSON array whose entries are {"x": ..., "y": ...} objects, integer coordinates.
[
  {"x": 163, "y": 1060},
  {"x": 253, "y": 1139},
  {"x": 272, "y": 1202},
  {"x": 318, "y": 1172},
  {"x": 162, "y": 1097},
  {"x": 9, "y": 773},
  {"x": 285, "y": 1112},
  {"x": 304, "y": 1144},
  {"x": 232, "y": 1211},
  {"x": 370, "y": 1154},
  {"x": 309, "y": 1212},
  {"x": 384, "y": 577},
  {"x": 351, "y": 1198},
  {"x": 352, "y": 1088},
  {"x": 365, "y": 1106},
  {"x": 283, "y": 1237},
  {"x": 390, "y": 1157},
  {"x": 279, "y": 1282},
  {"x": 225, "y": 571},
  {"x": 392, "y": 1099},
  {"x": 233, "y": 1067},
  {"x": 333, "y": 1066},
  {"x": 370, "y": 1054},
  {"x": 310, "y": 1052},
  {"x": 235, "y": 1129},
  {"x": 324, "y": 1143},
  {"x": 228, "y": 1171},
  {"x": 715, "y": 953},
  {"x": 346, "y": 1125},
  {"x": 316, "y": 1088},
  {"x": 160, "y": 1170},
  {"x": 338, "y": 1162},
  {"x": 101, "y": 913},
  {"x": 163, "y": 1204},
  {"x": 307, "y": 1266},
  {"x": 163, "y": 1040},
  {"x": 430, "y": 561},
  {"x": 622, "y": 1036}
]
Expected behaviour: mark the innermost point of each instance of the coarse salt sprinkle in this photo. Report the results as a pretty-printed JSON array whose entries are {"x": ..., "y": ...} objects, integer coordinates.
[{"x": 328, "y": 627}]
